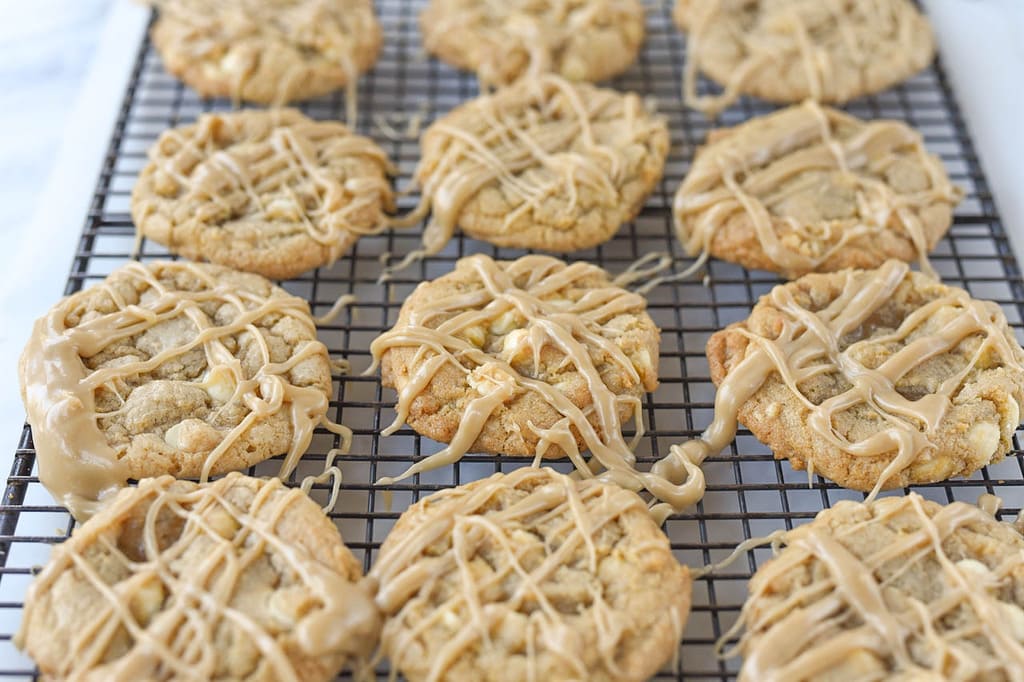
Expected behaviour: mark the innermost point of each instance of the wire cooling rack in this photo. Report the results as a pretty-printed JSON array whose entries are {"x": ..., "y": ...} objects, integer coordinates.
[{"x": 748, "y": 493}]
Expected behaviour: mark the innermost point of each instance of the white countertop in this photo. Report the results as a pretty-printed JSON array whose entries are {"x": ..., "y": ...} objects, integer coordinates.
[{"x": 52, "y": 140}]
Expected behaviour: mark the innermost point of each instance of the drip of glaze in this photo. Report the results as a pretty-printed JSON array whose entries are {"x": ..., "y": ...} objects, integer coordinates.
[
  {"x": 76, "y": 463},
  {"x": 807, "y": 345},
  {"x": 569, "y": 326}
]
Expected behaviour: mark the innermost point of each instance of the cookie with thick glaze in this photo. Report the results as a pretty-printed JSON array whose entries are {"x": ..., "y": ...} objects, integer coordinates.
[
  {"x": 530, "y": 575},
  {"x": 533, "y": 357},
  {"x": 811, "y": 189},
  {"x": 543, "y": 163},
  {"x": 787, "y": 51},
  {"x": 271, "y": 192},
  {"x": 581, "y": 40},
  {"x": 266, "y": 51},
  {"x": 874, "y": 379},
  {"x": 170, "y": 368},
  {"x": 901, "y": 588},
  {"x": 239, "y": 579}
]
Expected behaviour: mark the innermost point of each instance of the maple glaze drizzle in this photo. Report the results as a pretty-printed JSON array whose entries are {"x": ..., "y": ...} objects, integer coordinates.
[
  {"x": 76, "y": 462},
  {"x": 542, "y": 30},
  {"x": 731, "y": 177},
  {"x": 196, "y": 160},
  {"x": 844, "y": 617},
  {"x": 332, "y": 31},
  {"x": 341, "y": 621},
  {"x": 571, "y": 326},
  {"x": 808, "y": 344},
  {"x": 534, "y": 139},
  {"x": 407, "y": 569},
  {"x": 786, "y": 33}
]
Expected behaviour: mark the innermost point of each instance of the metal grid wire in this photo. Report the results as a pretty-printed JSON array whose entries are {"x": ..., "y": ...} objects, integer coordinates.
[{"x": 748, "y": 493}]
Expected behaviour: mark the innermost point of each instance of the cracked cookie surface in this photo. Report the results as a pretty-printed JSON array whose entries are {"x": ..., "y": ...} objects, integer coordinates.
[
  {"x": 875, "y": 379},
  {"x": 790, "y": 50},
  {"x": 544, "y": 164},
  {"x": 270, "y": 192},
  {"x": 178, "y": 368},
  {"x": 901, "y": 588},
  {"x": 498, "y": 356},
  {"x": 811, "y": 189},
  {"x": 530, "y": 575},
  {"x": 266, "y": 51},
  {"x": 240, "y": 579},
  {"x": 502, "y": 40}
]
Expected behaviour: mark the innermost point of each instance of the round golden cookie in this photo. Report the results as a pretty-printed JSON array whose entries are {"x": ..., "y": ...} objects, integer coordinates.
[
  {"x": 791, "y": 50},
  {"x": 582, "y": 40},
  {"x": 532, "y": 357},
  {"x": 170, "y": 368},
  {"x": 271, "y": 192},
  {"x": 530, "y": 575},
  {"x": 266, "y": 51},
  {"x": 239, "y": 579},
  {"x": 875, "y": 379},
  {"x": 899, "y": 589},
  {"x": 544, "y": 164},
  {"x": 811, "y": 189}
]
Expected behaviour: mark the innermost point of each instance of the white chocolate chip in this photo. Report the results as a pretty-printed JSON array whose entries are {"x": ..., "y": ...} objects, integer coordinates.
[
  {"x": 220, "y": 384},
  {"x": 173, "y": 436},
  {"x": 283, "y": 209},
  {"x": 475, "y": 335},
  {"x": 574, "y": 68},
  {"x": 1012, "y": 415},
  {"x": 1013, "y": 619},
  {"x": 642, "y": 361},
  {"x": 973, "y": 568},
  {"x": 505, "y": 323},
  {"x": 146, "y": 601},
  {"x": 514, "y": 343},
  {"x": 984, "y": 439}
]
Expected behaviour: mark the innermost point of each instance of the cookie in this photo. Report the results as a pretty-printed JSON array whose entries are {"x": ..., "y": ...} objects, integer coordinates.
[
  {"x": 811, "y": 189},
  {"x": 530, "y": 575},
  {"x": 267, "y": 51},
  {"x": 238, "y": 579},
  {"x": 581, "y": 40},
  {"x": 532, "y": 357},
  {"x": 872, "y": 378},
  {"x": 901, "y": 588},
  {"x": 544, "y": 164},
  {"x": 170, "y": 368},
  {"x": 787, "y": 51},
  {"x": 270, "y": 192}
]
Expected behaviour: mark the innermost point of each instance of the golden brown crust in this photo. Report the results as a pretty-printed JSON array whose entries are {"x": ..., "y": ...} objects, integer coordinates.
[
  {"x": 240, "y": 572},
  {"x": 901, "y": 588},
  {"x": 976, "y": 428},
  {"x": 811, "y": 189},
  {"x": 512, "y": 428},
  {"x": 270, "y": 192},
  {"x": 764, "y": 47},
  {"x": 267, "y": 51},
  {"x": 565, "y": 165},
  {"x": 581, "y": 40},
  {"x": 169, "y": 418},
  {"x": 605, "y": 599}
]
